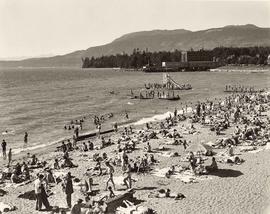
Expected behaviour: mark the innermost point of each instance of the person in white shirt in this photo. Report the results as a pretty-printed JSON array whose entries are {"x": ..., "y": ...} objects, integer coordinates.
[{"x": 41, "y": 196}]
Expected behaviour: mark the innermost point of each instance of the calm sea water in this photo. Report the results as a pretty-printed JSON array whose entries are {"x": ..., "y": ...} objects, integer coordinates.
[{"x": 42, "y": 100}]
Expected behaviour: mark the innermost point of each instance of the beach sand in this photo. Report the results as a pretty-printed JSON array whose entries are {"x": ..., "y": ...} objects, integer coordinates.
[{"x": 238, "y": 189}]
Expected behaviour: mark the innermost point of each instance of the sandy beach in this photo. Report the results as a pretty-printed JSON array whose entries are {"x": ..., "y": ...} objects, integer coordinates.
[{"x": 235, "y": 188}]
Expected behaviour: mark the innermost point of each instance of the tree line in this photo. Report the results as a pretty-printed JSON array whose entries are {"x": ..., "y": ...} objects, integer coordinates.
[{"x": 140, "y": 58}]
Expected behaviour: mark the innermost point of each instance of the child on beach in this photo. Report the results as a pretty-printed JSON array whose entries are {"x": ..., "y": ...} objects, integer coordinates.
[
  {"x": 128, "y": 179},
  {"x": 110, "y": 171}
]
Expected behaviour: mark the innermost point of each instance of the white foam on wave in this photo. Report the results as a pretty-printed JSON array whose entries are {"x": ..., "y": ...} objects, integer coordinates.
[
  {"x": 9, "y": 132},
  {"x": 153, "y": 119},
  {"x": 36, "y": 146},
  {"x": 160, "y": 117}
]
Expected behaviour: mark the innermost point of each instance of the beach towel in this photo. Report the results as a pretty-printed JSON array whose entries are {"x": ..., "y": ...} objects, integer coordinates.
[
  {"x": 186, "y": 176},
  {"x": 168, "y": 154}
]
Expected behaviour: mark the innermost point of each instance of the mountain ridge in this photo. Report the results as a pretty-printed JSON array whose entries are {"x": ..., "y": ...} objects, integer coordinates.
[{"x": 158, "y": 40}]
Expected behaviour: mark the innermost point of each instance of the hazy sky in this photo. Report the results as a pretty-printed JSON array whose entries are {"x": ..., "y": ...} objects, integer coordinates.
[{"x": 41, "y": 27}]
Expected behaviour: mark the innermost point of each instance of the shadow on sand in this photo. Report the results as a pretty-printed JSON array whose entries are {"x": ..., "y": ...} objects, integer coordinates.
[{"x": 224, "y": 173}]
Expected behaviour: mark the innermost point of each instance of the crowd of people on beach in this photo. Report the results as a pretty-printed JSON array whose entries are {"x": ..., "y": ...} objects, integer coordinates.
[{"x": 240, "y": 111}]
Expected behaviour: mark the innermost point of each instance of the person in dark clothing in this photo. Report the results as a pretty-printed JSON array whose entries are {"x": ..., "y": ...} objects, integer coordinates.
[
  {"x": 68, "y": 188},
  {"x": 64, "y": 147},
  {"x": 76, "y": 132},
  {"x": 185, "y": 144},
  {"x": 25, "y": 137},
  {"x": 199, "y": 110},
  {"x": 4, "y": 149},
  {"x": 44, "y": 197}
]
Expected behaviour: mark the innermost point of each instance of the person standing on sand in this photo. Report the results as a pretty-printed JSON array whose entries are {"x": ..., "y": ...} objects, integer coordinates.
[
  {"x": 25, "y": 137},
  {"x": 128, "y": 179},
  {"x": 110, "y": 172},
  {"x": 99, "y": 129},
  {"x": 185, "y": 144},
  {"x": 4, "y": 149},
  {"x": 68, "y": 188},
  {"x": 41, "y": 195},
  {"x": 9, "y": 156},
  {"x": 76, "y": 132},
  {"x": 175, "y": 113}
]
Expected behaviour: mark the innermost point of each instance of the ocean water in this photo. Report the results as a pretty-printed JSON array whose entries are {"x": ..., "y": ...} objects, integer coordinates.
[{"x": 42, "y": 100}]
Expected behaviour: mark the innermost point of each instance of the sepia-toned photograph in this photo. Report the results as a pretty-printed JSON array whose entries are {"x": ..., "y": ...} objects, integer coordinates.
[{"x": 135, "y": 107}]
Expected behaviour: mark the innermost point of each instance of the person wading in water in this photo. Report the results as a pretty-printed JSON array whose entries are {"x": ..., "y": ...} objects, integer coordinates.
[{"x": 25, "y": 137}]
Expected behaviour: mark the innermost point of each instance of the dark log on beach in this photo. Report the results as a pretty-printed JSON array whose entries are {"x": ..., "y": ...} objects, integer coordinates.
[{"x": 92, "y": 134}]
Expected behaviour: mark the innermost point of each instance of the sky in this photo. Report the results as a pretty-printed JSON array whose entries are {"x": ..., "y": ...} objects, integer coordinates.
[{"x": 30, "y": 28}]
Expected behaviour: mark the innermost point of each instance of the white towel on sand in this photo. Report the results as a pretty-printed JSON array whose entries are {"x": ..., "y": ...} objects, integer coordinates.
[{"x": 185, "y": 176}]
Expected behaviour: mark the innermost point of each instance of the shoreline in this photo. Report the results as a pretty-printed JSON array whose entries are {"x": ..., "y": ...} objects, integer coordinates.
[
  {"x": 52, "y": 146},
  {"x": 138, "y": 122},
  {"x": 244, "y": 182}
]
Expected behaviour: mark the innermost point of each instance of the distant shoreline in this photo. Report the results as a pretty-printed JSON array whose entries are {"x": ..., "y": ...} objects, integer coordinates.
[
  {"x": 223, "y": 68},
  {"x": 250, "y": 68}
]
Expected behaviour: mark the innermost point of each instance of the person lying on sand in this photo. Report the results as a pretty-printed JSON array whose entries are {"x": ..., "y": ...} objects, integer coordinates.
[{"x": 166, "y": 194}]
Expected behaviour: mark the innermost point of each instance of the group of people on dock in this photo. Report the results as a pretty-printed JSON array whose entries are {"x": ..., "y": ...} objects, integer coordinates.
[
  {"x": 152, "y": 94},
  {"x": 168, "y": 86}
]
